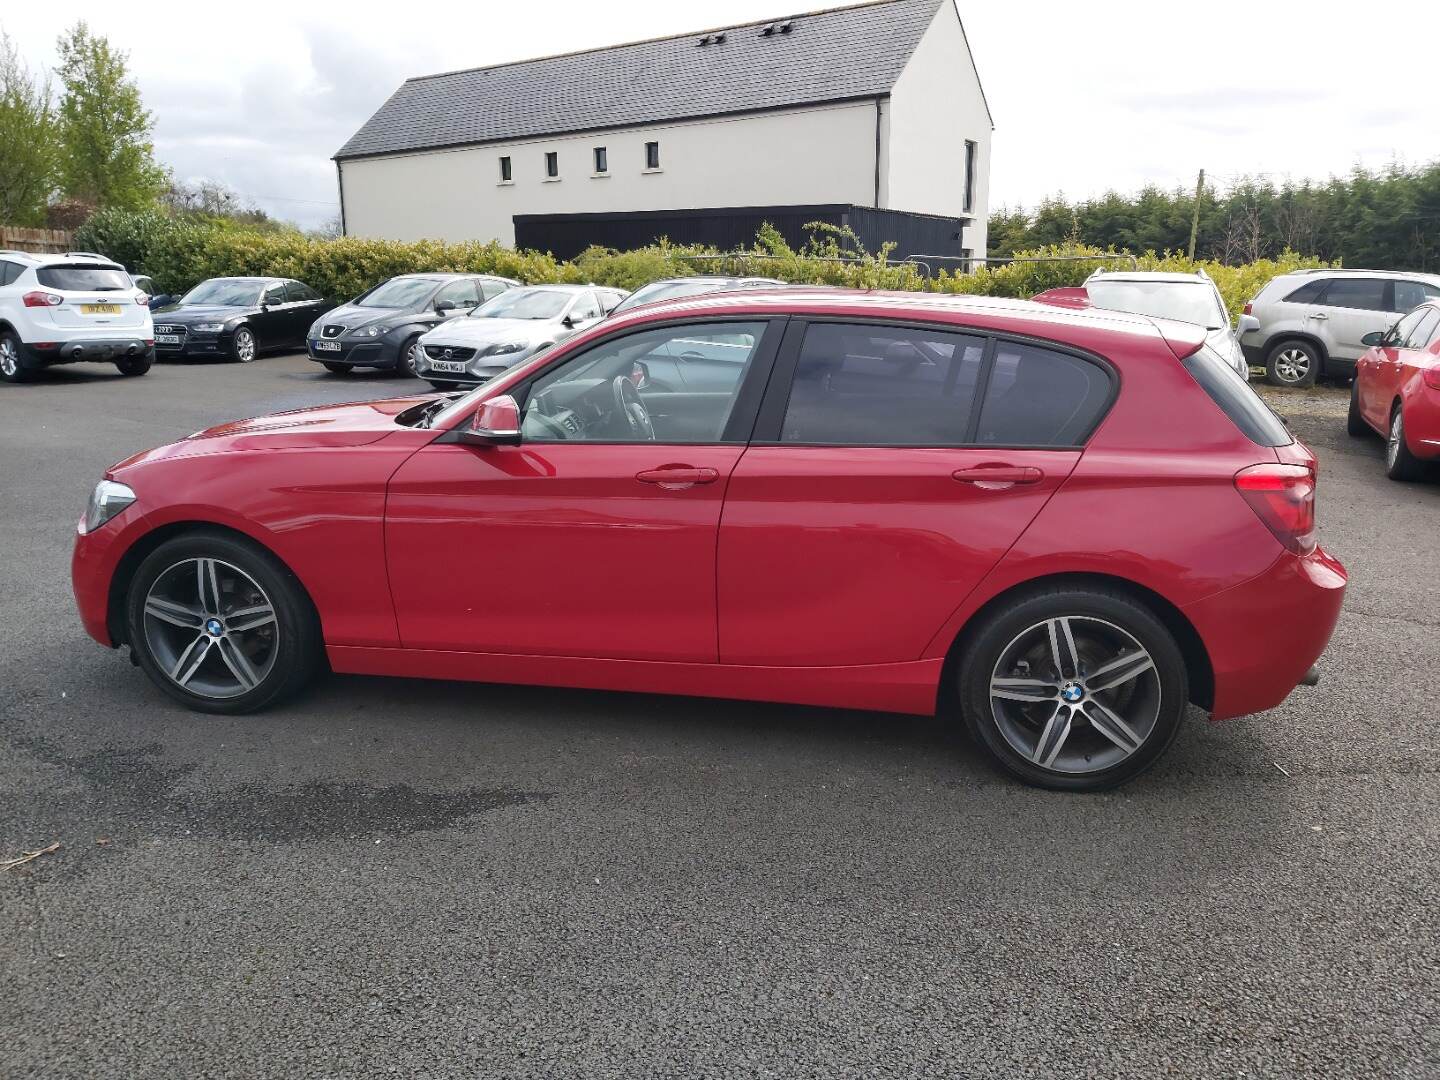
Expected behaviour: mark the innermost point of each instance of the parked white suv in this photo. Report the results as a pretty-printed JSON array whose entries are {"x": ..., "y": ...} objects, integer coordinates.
[
  {"x": 71, "y": 308},
  {"x": 1312, "y": 323},
  {"x": 1192, "y": 298}
]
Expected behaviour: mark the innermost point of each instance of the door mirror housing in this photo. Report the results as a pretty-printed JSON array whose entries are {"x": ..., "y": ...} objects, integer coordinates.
[
  {"x": 568, "y": 322},
  {"x": 442, "y": 306},
  {"x": 1246, "y": 324},
  {"x": 496, "y": 423},
  {"x": 1375, "y": 337}
]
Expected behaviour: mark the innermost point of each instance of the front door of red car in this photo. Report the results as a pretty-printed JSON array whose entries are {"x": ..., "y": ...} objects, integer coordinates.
[
  {"x": 890, "y": 473},
  {"x": 595, "y": 536},
  {"x": 1380, "y": 376}
]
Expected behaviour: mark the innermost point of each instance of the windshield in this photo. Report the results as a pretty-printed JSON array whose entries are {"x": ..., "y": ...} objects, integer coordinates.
[
  {"x": 83, "y": 278},
  {"x": 525, "y": 304},
  {"x": 669, "y": 290},
  {"x": 1192, "y": 302},
  {"x": 225, "y": 292},
  {"x": 400, "y": 292}
]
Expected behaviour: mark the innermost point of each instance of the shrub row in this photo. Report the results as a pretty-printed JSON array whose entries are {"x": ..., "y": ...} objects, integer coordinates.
[{"x": 179, "y": 252}]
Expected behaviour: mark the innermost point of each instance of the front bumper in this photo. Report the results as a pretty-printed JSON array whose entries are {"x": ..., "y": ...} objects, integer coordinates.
[
  {"x": 91, "y": 350},
  {"x": 1264, "y": 635},
  {"x": 93, "y": 564},
  {"x": 480, "y": 369},
  {"x": 364, "y": 352},
  {"x": 193, "y": 344}
]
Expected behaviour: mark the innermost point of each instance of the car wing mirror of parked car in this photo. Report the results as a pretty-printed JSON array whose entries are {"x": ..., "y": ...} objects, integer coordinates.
[
  {"x": 1246, "y": 323},
  {"x": 442, "y": 306},
  {"x": 1375, "y": 337},
  {"x": 496, "y": 423}
]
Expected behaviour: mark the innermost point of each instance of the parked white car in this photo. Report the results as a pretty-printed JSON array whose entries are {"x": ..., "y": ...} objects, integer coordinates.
[
  {"x": 508, "y": 329},
  {"x": 72, "y": 308},
  {"x": 1312, "y": 324},
  {"x": 1191, "y": 298}
]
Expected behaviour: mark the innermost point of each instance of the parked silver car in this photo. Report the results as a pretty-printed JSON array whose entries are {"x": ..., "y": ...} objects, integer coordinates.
[
  {"x": 1311, "y": 324},
  {"x": 674, "y": 288},
  {"x": 508, "y": 329},
  {"x": 1191, "y": 298}
]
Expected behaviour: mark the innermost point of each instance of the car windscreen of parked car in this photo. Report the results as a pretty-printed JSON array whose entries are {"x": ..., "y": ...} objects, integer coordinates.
[
  {"x": 83, "y": 278},
  {"x": 669, "y": 290},
  {"x": 1180, "y": 300},
  {"x": 400, "y": 292},
  {"x": 225, "y": 292},
  {"x": 524, "y": 304}
]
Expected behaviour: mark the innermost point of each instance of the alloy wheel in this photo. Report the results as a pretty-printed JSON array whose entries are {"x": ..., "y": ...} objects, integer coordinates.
[
  {"x": 1075, "y": 694},
  {"x": 411, "y": 357},
  {"x": 244, "y": 345},
  {"x": 210, "y": 628},
  {"x": 9, "y": 358},
  {"x": 1395, "y": 441},
  {"x": 1292, "y": 365}
]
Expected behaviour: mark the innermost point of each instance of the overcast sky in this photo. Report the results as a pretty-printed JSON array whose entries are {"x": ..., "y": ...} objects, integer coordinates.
[{"x": 1086, "y": 97}]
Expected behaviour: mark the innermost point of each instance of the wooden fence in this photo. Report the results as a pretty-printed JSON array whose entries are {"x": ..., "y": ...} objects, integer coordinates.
[{"x": 13, "y": 238}]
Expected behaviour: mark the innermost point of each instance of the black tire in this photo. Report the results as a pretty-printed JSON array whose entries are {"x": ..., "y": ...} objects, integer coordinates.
[
  {"x": 337, "y": 369},
  {"x": 443, "y": 387},
  {"x": 405, "y": 358},
  {"x": 1400, "y": 463},
  {"x": 133, "y": 365},
  {"x": 238, "y": 350},
  {"x": 1098, "y": 762},
  {"x": 1293, "y": 363},
  {"x": 15, "y": 365},
  {"x": 1355, "y": 423},
  {"x": 294, "y": 645}
]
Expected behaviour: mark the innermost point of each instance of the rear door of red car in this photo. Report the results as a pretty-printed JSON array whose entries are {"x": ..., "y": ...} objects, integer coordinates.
[
  {"x": 587, "y": 539},
  {"x": 892, "y": 466}
]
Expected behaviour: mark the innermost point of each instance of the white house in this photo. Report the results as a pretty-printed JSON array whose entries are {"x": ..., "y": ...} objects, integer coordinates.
[{"x": 872, "y": 115}]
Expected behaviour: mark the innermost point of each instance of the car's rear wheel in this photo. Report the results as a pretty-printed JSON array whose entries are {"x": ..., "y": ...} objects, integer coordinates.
[
  {"x": 1293, "y": 363},
  {"x": 1073, "y": 689},
  {"x": 338, "y": 369},
  {"x": 244, "y": 345},
  {"x": 1355, "y": 423},
  {"x": 1400, "y": 463},
  {"x": 15, "y": 367},
  {"x": 220, "y": 625},
  {"x": 133, "y": 365}
]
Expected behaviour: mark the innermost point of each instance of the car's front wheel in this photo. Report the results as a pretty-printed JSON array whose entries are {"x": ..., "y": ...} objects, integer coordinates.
[
  {"x": 244, "y": 346},
  {"x": 1293, "y": 363},
  {"x": 221, "y": 625},
  {"x": 1400, "y": 463},
  {"x": 409, "y": 356},
  {"x": 1073, "y": 689}
]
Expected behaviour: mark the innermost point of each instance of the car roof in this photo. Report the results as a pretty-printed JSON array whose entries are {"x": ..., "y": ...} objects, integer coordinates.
[
  {"x": 450, "y": 275},
  {"x": 1197, "y": 277},
  {"x": 1349, "y": 272},
  {"x": 1080, "y": 327},
  {"x": 50, "y": 258}
]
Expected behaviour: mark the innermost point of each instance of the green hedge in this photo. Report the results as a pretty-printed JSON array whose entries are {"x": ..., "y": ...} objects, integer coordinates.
[{"x": 179, "y": 252}]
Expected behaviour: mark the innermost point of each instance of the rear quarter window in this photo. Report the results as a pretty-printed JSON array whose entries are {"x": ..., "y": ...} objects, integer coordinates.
[
  {"x": 83, "y": 278},
  {"x": 1236, "y": 399},
  {"x": 1039, "y": 397}
]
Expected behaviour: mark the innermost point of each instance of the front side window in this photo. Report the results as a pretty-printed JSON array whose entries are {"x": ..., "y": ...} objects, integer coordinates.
[
  {"x": 274, "y": 296},
  {"x": 464, "y": 295},
  {"x": 1364, "y": 294},
  {"x": 602, "y": 160},
  {"x": 586, "y": 308},
  {"x": 492, "y": 287},
  {"x": 608, "y": 392},
  {"x": 552, "y": 164},
  {"x": 652, "y": 155},
  {"x": 860, "y": 385},
  {"x": 1402, "y": 330},
  {"x": 1424, "y": 330},
  {"x": 1039, "y": 397},
  {"x": 1411, "y": 294}
]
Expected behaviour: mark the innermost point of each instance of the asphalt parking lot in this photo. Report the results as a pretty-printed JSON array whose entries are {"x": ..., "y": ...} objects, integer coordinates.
[{"x": 413, "y": 879}]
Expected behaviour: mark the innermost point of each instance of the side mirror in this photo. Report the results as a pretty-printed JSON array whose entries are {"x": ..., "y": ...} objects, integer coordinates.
[
  {"x": 1375, "y": 337},
  {"x": 443, "y": 306},
  {"x": 1246, "y": 324},
  {"x": 496, "y": 423},
  {"x": 568, "y": 321}
]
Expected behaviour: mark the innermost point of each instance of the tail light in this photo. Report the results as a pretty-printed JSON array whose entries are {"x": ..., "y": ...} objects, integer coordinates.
[
  {"x": 1432, "y": 377},
  {"x": 143, "y": 300},
  {"x": 1250, "y": 307},
  {"x": 1283, "y": 497},
  {"x": 41, "y": 299}
]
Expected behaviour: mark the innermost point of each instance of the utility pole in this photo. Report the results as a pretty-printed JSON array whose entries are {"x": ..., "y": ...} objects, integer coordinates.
[{"x": 1195, "y": 221}]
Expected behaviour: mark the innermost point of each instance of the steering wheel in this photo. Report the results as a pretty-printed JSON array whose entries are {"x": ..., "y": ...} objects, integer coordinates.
[{"x": 627, "y": 401}]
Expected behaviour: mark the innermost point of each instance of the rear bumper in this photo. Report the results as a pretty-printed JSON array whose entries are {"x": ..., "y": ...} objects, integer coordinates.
[
  {"x": 84, "y": 350},
  {"x": 1422, "y": 422},
  {"x": 1264, "y": 636}
]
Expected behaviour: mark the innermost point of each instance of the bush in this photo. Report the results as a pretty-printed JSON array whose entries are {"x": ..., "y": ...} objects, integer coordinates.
[{"x": 181, "y": 251}]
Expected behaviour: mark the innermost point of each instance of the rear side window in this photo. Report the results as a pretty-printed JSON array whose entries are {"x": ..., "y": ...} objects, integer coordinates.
[
  {"x": 1363, "y": 294},
  {"x": 861, "y": 385},
  {"x": 299, "y": 293},
  {"x": 1236, "y": 399},
  {"x": 1039, "y": 397},
  {"x": 1411, "y": 294},
  {"x": 83, "y": 278},
  {"x": 1309, "y": 293},
  {"x": 9, "y": 272}
]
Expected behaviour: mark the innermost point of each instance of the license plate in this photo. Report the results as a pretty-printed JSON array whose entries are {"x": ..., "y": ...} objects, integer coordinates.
[
  {"x": 456, "y": 366},
  {"x": 99, "y": 309},
  {"x": 167, "y": 339},
  {"x": 326, "y": 346}
]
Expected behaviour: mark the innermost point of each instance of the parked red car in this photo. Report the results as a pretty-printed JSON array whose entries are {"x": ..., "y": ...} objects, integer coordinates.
[
  {"x": 1071, "y": 522},
  {"x": 1396, "y": 392}
]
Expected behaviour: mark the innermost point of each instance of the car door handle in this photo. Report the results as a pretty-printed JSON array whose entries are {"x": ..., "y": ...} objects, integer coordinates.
[
  {"x": 675, "y": 477},
  {"x": 1319, "y": 315},
  {"x": 998, "y": 477}
]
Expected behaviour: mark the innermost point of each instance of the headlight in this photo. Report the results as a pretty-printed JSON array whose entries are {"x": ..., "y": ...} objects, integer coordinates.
[
  {"x": 209, "y": 327},
  {"x": 374, "y": 331},
  {"x": 107, "y": 500},
  {"x": 508, "y": 347}
]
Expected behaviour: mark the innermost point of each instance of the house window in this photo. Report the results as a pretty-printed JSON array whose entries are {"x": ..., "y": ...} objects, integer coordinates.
[
  {"x": 652, "y": 155},
  {"x": 602, "y": 160},
  {"x": 552, "y": 164},
  {"x": 505, "y": 176},
  {"x": 971, "y": 151}
]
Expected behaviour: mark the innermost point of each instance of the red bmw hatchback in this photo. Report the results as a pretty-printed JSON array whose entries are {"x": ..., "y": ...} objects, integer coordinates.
[
  {"x": 1396, "y": 392},
  {"x": 1071, "y": 523}
]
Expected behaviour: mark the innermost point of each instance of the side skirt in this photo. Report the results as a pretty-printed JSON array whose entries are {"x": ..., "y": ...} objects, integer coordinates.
[{"x": 903, "y": 688}]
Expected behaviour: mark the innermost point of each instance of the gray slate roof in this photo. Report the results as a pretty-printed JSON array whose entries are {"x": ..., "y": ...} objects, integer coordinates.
[{"x": 832, "y": 55}]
